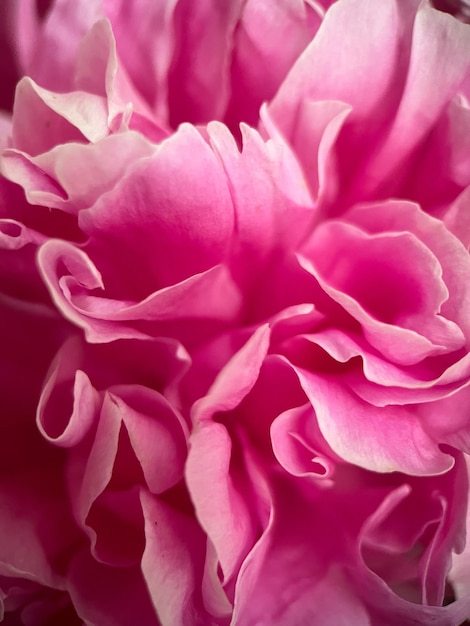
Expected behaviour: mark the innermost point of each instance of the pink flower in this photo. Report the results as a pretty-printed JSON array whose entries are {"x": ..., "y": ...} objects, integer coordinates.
[{"x": 234, "y": 296}]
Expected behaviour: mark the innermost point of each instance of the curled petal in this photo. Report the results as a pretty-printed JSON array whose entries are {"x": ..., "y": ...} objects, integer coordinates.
[
  {"x": 106, "y": 319},
  {"x": 73, "y": 176},
  {"x": 298, "y": 447},
  {"x": 397, "y": 308},
  {"x": 385, "y": 439},
  {"x": 43, "y": 119}
]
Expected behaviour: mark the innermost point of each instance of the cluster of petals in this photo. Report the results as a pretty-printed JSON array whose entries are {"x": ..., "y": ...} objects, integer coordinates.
[{"x": 234, "y": 313}]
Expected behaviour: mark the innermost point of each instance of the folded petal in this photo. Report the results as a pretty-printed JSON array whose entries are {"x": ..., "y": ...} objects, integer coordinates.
[{"x": 382, "y": 439}]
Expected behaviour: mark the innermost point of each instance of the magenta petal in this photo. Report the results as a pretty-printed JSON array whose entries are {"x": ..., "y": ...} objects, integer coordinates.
[
  {"x": 398, "y": 307},
  {"x": 434, "y": 75},
  {"x": 275, "y": 34},
  {"x": 454, "y": 260},
  {"x": 355, "y": 30},
  {"x": 258, "y": 412},
  {"x": 9, "y": 61},
  {"x": 456, "y": 430},
  {"x": 460, "y": 573},
  {"x": 440, "y": 174},
  {"x": 106, "y": 319},
  {"x": 220, "y": 507},
  {"x": 297, "y": 444},
  {"x": 173, "y": 216},
  {"x": 295, "y": 559},
  {"x": 109, "y": 596},
  {"x": 273, "y": 208},
  {"x": 147, "y": 55},
  {"x": 30, "y": 502},
  {"x": 456, "y": 218},
  {"x": 202, "y": 62},
  {"x": 388, "y": 439}
]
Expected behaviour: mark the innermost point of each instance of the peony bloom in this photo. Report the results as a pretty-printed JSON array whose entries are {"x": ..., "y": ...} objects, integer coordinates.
[{"x": 235, "y": 303}]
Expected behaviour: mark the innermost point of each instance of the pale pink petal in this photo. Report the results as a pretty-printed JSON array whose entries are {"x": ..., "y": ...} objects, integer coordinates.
[
  {"x": 57, "y": 421},
  {"x": 410, "y": 538},
  {"x": 377, "y": 380},
  {"x": 388, "y": 609},
  {"x": 98, "y": 71},
  {"x": 43, "y": 119},
  {"x": 73, "y": 176},
  {"x": 40, "y": 188},
  {"x": 386, "y": 127},
  {"x": 220, "y": 507},
  {"x": 23, "y": 223},
  {"x": 215, "y": 598},
  {"x": 5, "y": 129},
  {"x": 172, "y": 563}
]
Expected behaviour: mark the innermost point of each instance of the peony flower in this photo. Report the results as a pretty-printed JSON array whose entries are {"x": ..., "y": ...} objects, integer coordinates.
[{"x": 234, "y": 297}]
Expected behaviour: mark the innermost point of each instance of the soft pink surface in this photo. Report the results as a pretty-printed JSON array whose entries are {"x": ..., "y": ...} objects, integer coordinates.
[{"x": 234, "y": 313}]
